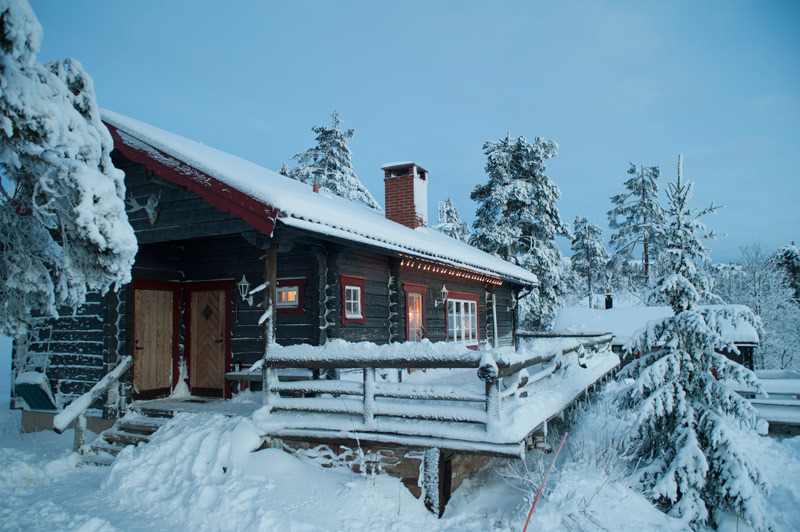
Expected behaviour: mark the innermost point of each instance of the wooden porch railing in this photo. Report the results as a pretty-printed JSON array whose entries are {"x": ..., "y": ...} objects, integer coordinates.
[
  {"x": 502, "y": 374},
  {"x": 76, "y": 410}
]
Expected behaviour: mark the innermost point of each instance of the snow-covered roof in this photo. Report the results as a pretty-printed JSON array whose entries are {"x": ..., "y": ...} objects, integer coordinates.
[
  {"x": 624, "y": 322},
  {"x": 300, "y": 207}
]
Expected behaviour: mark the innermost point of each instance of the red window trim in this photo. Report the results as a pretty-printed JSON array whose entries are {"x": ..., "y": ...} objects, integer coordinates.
[
  {"x": 300, "y": 283},
  {"x": 412, "y": 288},
  {"x": 468, "y": 297},
  {"x": 355, "y": 281}
]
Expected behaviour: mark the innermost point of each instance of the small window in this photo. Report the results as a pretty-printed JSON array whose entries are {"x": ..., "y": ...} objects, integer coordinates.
[
  {"x": 291, "y": 295},
  {"x": 353, "y": 291},
  {"x": 288, "y": 296},
  {"x": 462, "y": 319}
]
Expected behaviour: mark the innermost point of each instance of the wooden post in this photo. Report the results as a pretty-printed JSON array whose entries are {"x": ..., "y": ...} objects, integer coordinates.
[
  {"x": 431, "y": 481},
  {"x": 270, "y": 302},
  {"x": 80, "y": 432},
  {"x": 369, "y": 397},
  {"x": 270, "y": 380},
  {"x": 492, "y": 403}
]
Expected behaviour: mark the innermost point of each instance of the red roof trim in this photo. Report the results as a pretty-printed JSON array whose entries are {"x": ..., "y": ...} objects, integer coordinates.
[{"x": 222, "y": 196}]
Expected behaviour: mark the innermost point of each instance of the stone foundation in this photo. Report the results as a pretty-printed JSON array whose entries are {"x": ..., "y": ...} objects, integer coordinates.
[{"x": 400, "y": 462}]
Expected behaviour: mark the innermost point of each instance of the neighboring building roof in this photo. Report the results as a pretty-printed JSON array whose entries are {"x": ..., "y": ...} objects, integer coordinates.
[
  {"x": 213, "y": 173},
  {"x": 624, "y": 322}
]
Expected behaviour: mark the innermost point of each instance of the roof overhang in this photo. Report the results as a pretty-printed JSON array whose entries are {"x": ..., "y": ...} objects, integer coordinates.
[{"x": 224, "y": 197}]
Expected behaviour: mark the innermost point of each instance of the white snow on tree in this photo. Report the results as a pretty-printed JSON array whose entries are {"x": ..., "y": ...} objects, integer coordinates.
[
  {"x": 517, "y": 218},
  {"x": 590, "y": 257},
  {"x": 63, "y": 227},
  {"x": 328, "y": 163},
  {"x": 758, "y": 281},
  {"x": 450, "y": 222},
  {"x": 788, "y": 258},
  {"x": 637, "y": 217},
  {"x": 684, "y": 440}
]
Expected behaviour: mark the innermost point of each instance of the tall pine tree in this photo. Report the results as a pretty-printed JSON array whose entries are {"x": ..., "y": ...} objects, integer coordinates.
[
  {"x": 450, "y": 222},
  {"x": 687, "y": 415},
  {"x": 517, "y": 217},
  {"x": 590, "y": 257},
  {"x": 328, "y": 164},
  {"x": 637, "y": 216}
]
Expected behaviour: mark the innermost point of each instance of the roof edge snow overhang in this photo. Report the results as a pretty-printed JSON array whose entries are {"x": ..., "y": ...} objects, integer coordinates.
[
  {"x": 224, "y": 197},
  {"x": 394, "y": 250}
]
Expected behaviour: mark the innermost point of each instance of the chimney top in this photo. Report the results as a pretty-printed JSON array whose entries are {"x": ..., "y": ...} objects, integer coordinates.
[{"x": 406, "y": 193}]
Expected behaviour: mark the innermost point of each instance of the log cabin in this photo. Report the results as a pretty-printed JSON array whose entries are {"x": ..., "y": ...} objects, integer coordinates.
[
  {"x": 241, "y": 268},
  {"x": 212, "y": 228}
]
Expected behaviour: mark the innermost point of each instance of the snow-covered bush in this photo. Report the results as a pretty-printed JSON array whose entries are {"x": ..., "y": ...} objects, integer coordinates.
[
  {"x": 63, "y": 227},
  {"x": 685, "y": 438}
]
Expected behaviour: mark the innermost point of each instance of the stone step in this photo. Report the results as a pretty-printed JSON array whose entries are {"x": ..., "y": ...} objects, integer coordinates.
[{"x": 116, "y": 435}]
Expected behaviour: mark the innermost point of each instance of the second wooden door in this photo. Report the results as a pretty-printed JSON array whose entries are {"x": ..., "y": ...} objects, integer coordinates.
[{"x": 207, "y": 342}]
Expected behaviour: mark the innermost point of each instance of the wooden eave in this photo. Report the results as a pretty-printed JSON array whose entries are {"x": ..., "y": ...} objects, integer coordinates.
[{"x": 259, "y": 215}]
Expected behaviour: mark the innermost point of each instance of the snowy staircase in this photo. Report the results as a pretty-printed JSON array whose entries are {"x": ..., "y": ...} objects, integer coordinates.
[{"x": 135, "y": 428}]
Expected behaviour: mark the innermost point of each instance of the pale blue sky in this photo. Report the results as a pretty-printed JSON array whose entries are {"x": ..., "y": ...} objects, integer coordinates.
[{"x": 611, "y": 82}]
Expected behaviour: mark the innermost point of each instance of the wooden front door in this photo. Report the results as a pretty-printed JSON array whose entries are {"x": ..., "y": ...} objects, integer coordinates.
[
  {"x": 208, "y": 339},
  {"x": 153, "y": 342}
]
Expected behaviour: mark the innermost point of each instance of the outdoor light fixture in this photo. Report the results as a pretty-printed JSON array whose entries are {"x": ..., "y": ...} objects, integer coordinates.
[
  {"x": 244, "y": 290},
  {"x": 443, "y": 295}
]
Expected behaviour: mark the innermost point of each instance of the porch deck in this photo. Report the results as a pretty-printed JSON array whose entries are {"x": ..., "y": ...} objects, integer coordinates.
[{"x": 493, "y": 410}]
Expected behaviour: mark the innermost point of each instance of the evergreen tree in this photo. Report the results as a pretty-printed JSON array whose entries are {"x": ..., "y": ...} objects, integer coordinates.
[
  {"x": 687, "y": 415},
  {"x": 450, "y": 222},
  {"x": 637, "y": 215},
  {"x": 590, "y": 257},
  {"x": 517, "y": 217},
  {"x": 328, "y": 164},
  {"x": 63, "y": 227},
  {"x": 788, "y": 258}
]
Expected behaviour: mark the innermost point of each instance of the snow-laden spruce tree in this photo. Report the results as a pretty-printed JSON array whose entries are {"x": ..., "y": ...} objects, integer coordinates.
[
  {"x": 684, "y": 440},
  {"x": 758, "y": 281},
  {"x": 517, "y": 218},
  {"x": 328, "y": 164},
  {"x": 63, "y": 227},
  {"x": 637, "y": 217},
  {"x": 590, "y": 257},
  {"x": 788, "y": 258},
  {"x": 450, "y": 222}
]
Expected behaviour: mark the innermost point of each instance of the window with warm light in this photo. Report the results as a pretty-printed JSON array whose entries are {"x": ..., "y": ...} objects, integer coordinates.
[
  {"x": 288, "y": 296},
  {"x": 462, "y": 321},
  {"x": 291, "y": 295},
  {"x": 415, "y": 311}
]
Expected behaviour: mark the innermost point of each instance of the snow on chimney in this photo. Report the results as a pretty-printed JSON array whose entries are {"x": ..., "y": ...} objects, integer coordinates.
[{"x": 406, "y": 194}]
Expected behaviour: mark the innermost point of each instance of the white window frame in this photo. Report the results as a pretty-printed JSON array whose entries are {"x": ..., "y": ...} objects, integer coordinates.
[
  {"x": 468, "y": 314},
  {"x": 348, "y": 301},
  {"x": 289, "y": 304}
]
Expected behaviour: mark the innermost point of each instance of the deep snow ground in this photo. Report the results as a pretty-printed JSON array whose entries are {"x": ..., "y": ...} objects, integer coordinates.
[{"x": 198, "y": 474}]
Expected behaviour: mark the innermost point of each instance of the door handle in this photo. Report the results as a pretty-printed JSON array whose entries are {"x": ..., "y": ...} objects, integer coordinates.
[
  {"x": 138, "y": 348},
  {"x": 218, "y": 341}
]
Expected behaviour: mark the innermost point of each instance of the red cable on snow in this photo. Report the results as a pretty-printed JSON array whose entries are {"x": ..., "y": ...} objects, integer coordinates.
[{"x": 544, "y": 481}]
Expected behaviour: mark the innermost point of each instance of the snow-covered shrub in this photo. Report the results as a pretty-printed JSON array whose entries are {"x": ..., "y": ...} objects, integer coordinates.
[{"x": 63, "y": 227}]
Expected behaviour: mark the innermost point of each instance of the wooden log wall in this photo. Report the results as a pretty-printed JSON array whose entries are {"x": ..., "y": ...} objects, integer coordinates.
[
  {"x": 70, "y": 349},
  {"x": 375, "y": 268}
]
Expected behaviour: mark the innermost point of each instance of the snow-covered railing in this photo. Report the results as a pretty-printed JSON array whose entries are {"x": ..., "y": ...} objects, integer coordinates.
[
  {"x": 76, "y": 410},
  {"x": 503, "y": 373}
]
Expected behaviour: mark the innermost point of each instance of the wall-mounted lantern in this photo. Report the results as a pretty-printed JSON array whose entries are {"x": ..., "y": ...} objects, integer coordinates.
[
  {"x": 442, "y": 295},
  {"x": 244, "y": 290}
]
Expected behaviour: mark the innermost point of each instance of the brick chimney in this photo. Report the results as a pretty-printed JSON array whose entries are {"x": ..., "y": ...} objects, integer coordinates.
[{"x": 406, "y": 194}]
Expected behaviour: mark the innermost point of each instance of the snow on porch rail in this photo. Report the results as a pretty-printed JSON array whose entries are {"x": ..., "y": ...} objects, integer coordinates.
[
  {"x": 77, "y": 408},
  {"x": 503, "y": 372}
]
